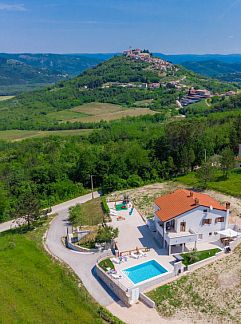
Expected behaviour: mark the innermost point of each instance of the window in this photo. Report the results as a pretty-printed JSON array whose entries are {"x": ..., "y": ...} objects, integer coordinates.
[
  {"x": 210, "y": 234},
  {"x": 205, "y": 210},
  {"x": 182, "y": 226},
  {"x": 207, "y": 221},
  {"x": 200, "y": 236},
  {"x": 219, "y": 220},
  {"x": 215, "y": 233}
]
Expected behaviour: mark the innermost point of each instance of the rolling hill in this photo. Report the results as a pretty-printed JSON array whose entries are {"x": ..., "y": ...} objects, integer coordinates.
[
  {"x": 229, "y": 72},
  {"x": 26, "y": 72},
  {"x": 71, "y": 64},
  {"x": 119, "y": 80}
]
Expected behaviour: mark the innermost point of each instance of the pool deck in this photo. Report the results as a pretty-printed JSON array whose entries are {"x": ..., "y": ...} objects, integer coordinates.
[
  {"x": 133, "y": 232},
  {"x": 163, "y": 260}
]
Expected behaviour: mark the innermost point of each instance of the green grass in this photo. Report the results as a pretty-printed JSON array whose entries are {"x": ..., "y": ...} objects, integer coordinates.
[
  {"x": 90, "y": 213},
  {"x": 193, "y": 257},
  {"x": 5, "y": 97},
  {"x": 230, "y": 186},
  {"x": 107, "y": 263},
  {"x": 95, "y": 112},
  {"x": 18, "y": 135},
  {"x": 67, "y": 115},
  {"x": 35, "y": 289}
]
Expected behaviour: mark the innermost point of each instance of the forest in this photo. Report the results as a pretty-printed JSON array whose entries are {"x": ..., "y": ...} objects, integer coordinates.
[{"x": 126, "y": 153}]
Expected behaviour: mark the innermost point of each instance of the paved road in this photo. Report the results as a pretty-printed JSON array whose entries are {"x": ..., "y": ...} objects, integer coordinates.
[{"x": 82, "y": 264}]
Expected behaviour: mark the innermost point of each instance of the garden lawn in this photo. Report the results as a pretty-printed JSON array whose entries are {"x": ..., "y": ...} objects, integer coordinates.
[
  {"x": 34, "y": 289},
  {"x": 107, "y": 263},
  {"x": 90, "y": 213},
  {"x": 230, "y": 186},
  {"x": 193, "y": 257}
]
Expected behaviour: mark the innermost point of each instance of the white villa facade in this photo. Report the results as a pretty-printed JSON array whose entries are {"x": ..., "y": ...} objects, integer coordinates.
[{"x": 184, "y": 217}]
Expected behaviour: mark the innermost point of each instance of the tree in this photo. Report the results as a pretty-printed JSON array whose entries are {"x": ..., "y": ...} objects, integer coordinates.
[
  {"x": 227, "y": 161},
  {"x": 28, "y": 206},
  {"x": 4, "y": 204},
  {"x": 205, "y": 173}
]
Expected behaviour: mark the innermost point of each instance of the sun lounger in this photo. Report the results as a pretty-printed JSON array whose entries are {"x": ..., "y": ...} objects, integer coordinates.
[
  {"x": 115, "y": 260},
  {"x": 134, "y": 255},
  {"x": 116, "y": 276},
  {"x": 142, "y": 254}
]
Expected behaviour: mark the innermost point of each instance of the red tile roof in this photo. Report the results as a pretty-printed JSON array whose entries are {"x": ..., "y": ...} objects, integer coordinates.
[{"x": 181, "y": 201}]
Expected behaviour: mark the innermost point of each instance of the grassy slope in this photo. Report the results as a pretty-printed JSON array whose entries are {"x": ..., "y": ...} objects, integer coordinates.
[
  {"x": 91, "y": 213},
  {"x": 34, "y": 289},
  {"x": 95, "y": 112},
  {"x": 230, "y": 186},
  {"x": 18, "y": 135}
]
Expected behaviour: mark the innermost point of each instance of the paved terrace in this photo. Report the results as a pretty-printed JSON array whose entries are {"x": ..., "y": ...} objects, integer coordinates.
[{"x": 133, "y": 233}]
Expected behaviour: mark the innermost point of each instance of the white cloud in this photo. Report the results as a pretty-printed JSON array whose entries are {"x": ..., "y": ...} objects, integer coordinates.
[{"x": 12, "y": 7}]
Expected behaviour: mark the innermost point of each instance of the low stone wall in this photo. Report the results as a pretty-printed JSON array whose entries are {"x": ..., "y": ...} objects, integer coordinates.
[
  {"x": 235, "y": 243},
  {"x": 146, "y": 300},
  {"x": 79, "y": 248},
  {"x": 204, "y": 262},
  {"x": 119, "y": 291},
  {"x": 155, "y": 282}
]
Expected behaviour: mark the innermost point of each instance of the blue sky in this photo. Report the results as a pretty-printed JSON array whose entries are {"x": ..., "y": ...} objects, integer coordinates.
[{"x": 77, "y": 26}]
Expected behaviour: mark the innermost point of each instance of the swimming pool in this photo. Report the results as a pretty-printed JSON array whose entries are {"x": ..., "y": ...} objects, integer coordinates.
[{"x": 144, "y": 271}]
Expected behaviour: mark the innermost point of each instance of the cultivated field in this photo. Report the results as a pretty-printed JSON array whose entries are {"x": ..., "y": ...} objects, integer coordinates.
[
  {"x": 19, "y": 135},
  {"x": 95, "y": 112},
  {"x": 5, "y": 97}
]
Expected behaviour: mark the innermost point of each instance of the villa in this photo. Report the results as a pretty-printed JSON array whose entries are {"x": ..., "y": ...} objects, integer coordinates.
[{"x": 184, "y": 217}]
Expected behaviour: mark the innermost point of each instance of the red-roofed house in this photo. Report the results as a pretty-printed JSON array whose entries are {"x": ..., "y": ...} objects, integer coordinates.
[{"x": 185, "y": 216}]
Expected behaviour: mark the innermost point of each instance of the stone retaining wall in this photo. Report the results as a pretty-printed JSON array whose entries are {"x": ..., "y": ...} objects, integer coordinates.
[
  {"x": 79, "y": 248},
  {"x": 114, "y": 285},
  {"x": 235, "y": 243},
  {"x": 146, "y": 300}
]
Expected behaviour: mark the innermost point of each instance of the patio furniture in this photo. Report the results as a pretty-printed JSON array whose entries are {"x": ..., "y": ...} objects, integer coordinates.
[
  {"x": 116, "y": 276},
  {"x": 120, "y": 218},
  {"x": 142, "y": 254},
  {"x": 134, "y": 255},
  {"x": 115, "y": 260}
]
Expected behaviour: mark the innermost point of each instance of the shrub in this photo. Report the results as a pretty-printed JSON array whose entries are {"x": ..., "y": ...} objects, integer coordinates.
[
  {"x": 106, "y": 234},
  {"x": 105, "y": 206}
]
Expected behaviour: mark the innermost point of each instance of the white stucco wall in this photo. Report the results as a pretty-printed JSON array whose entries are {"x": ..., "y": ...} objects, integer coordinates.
[{"x": 194, "y": 221}]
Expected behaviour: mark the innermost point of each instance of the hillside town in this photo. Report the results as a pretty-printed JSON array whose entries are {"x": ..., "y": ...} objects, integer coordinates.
[{"x": 144, "y": 55}]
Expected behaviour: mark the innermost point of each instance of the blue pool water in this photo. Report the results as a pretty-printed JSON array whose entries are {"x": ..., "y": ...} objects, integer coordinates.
[{"x": 144, "y": 271}]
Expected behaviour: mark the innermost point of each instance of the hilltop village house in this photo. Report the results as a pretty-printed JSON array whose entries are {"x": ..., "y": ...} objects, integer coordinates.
[{"x": 185, "y": 216}]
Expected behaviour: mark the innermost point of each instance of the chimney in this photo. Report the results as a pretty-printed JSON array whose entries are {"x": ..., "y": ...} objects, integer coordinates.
[
  {"x": 227, "y": 205},
  {"x": 191, "y": 194},
  {"x": 196, "y": 201}
]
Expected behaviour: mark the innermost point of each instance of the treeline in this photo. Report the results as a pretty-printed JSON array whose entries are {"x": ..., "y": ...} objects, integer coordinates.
[{"x": 125, "y": 153}]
